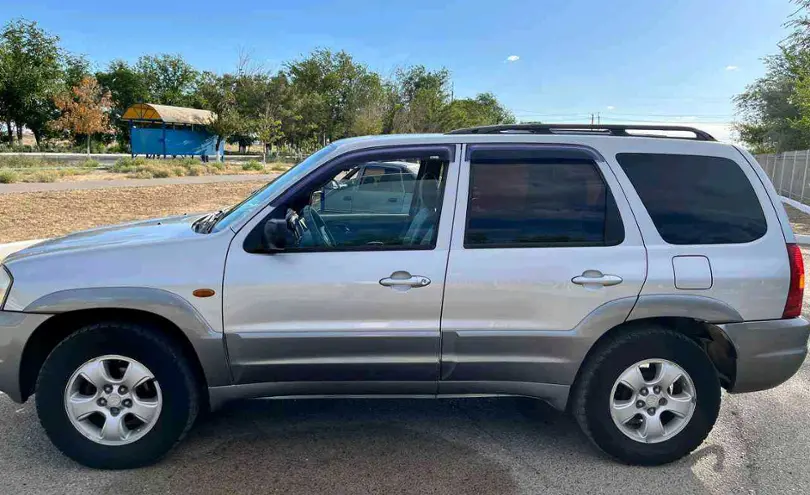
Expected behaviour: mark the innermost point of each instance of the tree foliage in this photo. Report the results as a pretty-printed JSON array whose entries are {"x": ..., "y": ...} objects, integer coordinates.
[
  {"x": 318, "y": 98},
  {"x": 30, "y": 75},
  {"x": 775, "y": 109},
  {"x": 84, "y": 110}
]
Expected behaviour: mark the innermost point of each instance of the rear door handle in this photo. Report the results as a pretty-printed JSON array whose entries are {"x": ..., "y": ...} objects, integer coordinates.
[
  {"x": 392, "y": 200},
  {"x": 404, "y": 281},
  {"x": 596, "y": 278}
]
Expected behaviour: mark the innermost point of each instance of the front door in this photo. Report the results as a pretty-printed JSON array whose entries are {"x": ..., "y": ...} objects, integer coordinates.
[{"x": 353, "y": 304}]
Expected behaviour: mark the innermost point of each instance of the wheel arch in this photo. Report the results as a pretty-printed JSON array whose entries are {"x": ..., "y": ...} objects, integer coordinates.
[
  {"x": 72, "y": 309},
  {"x": 711, "y": 338}
]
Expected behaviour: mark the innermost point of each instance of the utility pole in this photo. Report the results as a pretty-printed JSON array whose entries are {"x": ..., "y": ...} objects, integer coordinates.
[
  {"x": 598, "y": 119},
  {"x": 592, "y": 120}
]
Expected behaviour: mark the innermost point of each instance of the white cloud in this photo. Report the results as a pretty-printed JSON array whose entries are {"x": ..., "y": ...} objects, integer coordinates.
[
  {"x": 512, "y": 58},
  {"x": 611, "y": 107},
  {"x": 732, "y": 67}
]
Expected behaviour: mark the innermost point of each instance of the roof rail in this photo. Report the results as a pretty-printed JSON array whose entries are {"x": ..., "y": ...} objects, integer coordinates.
[{"x": 601, "y": 130}]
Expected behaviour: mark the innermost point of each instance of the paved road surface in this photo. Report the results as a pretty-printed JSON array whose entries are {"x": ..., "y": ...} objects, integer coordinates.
[{"x": 102, "y": 184}]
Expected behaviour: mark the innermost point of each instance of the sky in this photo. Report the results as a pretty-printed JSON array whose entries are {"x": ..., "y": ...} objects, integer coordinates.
[{"x": 677, "y": 62}]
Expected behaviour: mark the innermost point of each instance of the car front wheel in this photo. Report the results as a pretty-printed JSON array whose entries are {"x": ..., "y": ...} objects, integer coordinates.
[{"x": 116, "y": 395}]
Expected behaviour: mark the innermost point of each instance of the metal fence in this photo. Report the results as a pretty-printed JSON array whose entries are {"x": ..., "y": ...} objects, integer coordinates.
[{"x": 788, "y": 172}]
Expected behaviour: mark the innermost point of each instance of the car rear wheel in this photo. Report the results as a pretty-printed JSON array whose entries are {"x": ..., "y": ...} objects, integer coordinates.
[
  {"x": 116, "y": 395},
  {"x": 647, "y": 397}
]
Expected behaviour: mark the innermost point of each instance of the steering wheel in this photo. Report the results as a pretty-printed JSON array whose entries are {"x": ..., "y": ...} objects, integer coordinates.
[{"x": 317, "y": 227}]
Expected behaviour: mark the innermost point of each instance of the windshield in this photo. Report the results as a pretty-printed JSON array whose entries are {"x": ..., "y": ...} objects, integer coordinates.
[{"x": 261, "y": 195}]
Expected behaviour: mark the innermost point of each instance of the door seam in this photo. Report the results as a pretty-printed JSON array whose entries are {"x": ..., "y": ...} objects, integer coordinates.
[{"x": 460, "y": 158}]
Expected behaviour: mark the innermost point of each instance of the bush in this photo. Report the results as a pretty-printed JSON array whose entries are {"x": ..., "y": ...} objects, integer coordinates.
[
  {"x": 8, "y": 176},
  {"x": 89, "y": 163},
  {"x": 128, "y": 164},
  {"x": 253, "y": 165},
  {"x": 195, "y": 170},
  {"x": 218, "y": 165},
  {"x": 179, "y": 171},
  {"x": 43, "y": 176},
  {"x": 158, "y": 172}
]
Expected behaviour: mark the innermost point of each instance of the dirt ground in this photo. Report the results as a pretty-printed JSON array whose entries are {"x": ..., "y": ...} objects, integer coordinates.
[{"x": 39, "y": 215}]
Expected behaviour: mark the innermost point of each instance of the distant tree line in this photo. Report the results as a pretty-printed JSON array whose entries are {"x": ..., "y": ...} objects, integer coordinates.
[{"x": 313, "y": 100}]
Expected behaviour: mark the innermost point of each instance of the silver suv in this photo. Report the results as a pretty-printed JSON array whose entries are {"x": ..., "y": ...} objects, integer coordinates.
[{"x": 618, "y": 275}]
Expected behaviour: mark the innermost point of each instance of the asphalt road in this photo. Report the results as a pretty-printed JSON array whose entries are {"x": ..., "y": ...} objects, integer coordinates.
[{"x": 759, "y": 445}]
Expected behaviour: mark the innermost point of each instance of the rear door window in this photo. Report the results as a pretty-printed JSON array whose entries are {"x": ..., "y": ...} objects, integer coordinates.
[
  {"x": 696, "y": 199},
  {"x": 529, "y": 199}
]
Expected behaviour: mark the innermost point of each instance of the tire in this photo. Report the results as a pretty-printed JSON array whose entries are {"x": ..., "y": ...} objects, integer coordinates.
[
  {"x": 594, "y": 395},
  {"x": 143, "y": 344}
]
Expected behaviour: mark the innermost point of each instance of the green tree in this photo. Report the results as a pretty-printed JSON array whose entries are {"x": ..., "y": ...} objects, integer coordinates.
[
  {"x": 774, "y": 110},
  {"x": 217, "y": 93},
  {"x": 127, "y": 88},
  {"x": 30, "y": 74},
  {"x": 169, "y": 79},
  {"x": 484, "y": 109},
  {"x": 330, "y": 91},
  {"x": 420, "y": 98}
]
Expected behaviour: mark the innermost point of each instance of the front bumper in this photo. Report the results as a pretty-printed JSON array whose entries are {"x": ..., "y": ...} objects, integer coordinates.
[
  {"x": 768, "y": 352},
  {"x": 15, "y": 329}
]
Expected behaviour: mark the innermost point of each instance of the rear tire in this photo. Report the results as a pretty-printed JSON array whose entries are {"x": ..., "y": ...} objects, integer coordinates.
[
  {"x": 176, "y": 393},
  {"x": 598, "y": 395}
]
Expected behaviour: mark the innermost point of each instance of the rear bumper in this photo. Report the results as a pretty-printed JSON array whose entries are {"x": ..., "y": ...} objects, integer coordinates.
[
  {"x": 768, "y": 352},
  {"x": 15, "y": 329}
]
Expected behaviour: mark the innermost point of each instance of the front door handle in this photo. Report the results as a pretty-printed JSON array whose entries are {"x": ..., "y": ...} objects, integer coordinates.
[
  {"x": 404, "y": 281},
  {"x": 596, "y": 278}
]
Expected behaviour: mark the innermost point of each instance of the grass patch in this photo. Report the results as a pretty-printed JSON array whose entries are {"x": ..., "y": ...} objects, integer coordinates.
[
  {"x": 253, "y": 165},
  {"x": 8, "y": 177}
]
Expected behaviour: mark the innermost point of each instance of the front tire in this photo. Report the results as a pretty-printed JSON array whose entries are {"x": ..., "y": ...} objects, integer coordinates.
[
  {"x": 647, "y": 397},
  {"x": 116, "y": 395}
]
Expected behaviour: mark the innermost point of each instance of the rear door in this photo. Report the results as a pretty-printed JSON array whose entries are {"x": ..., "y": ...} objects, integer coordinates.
[{"x": 543, "y": 237}]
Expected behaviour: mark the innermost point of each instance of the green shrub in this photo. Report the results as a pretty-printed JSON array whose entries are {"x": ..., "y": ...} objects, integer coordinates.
[
  {"x": 43, "y": 176},
  {"x": 253, "y": 165},
  {"x": 128, "y": 164},
  {"x": 8, "y": 176},
  {"x": 179, "y": 171},
  {"x": 218, "y": 165},
  {"x": 159, "y": 172},
  {"x": 195, "y": 170},
  {"x": 89, "y": 163}
]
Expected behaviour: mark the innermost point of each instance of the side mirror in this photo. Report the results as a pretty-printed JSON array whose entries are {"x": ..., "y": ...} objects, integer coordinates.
[{"x": 275, "y": 235}]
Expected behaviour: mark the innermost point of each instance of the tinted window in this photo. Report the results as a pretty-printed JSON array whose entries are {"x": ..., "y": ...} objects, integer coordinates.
[
  {"x": 696, "y": 199},
  {"x": 524, "y": 202}
]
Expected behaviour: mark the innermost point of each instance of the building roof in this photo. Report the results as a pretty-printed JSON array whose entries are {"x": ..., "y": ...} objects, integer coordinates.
[{"x": 167, "y": 114}]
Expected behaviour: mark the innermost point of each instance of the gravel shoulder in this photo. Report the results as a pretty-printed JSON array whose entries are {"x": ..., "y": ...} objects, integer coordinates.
[{"x": 38, "y": 215}]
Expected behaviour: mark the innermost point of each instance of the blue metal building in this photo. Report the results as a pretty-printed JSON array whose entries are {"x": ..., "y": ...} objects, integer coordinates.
[{"x": 163, "y": 130}]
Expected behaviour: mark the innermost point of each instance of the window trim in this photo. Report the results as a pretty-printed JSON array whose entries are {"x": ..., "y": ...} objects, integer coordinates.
[
  {"x": 573, "y": 152},
  {"x": 447, "y": 152}
]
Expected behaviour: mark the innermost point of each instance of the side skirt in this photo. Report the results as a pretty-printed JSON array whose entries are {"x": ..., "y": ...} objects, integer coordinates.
[{"x": 555, "y": 395}]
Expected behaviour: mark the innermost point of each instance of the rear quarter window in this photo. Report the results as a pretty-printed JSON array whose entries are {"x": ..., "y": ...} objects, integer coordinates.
[{"x": 695, "y": 199}]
